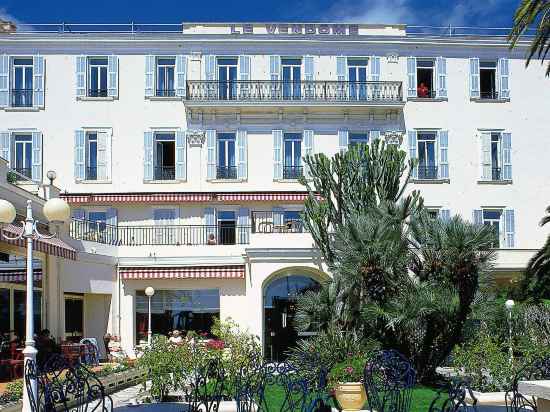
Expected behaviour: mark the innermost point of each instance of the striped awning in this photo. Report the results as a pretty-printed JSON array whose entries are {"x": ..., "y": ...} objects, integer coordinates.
[
  {"x": 183, "y": 272},
  {"x": 53, "y": 246},
  {"x": 18, "y": 275},
  {"x": 111, "y": 198}
]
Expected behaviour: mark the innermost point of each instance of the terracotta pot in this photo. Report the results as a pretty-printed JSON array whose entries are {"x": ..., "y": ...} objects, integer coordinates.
[{"x": 351, "y": 396}]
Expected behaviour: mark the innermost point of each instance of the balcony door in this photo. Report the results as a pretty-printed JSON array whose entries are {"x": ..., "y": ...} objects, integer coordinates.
[
  {"x": 292, "y": 168},
  {"x": 292, "y": 78},
  {"x": 227, "y": 223},
  {"x": 357, "y": 76},
  {"x": 227, "y": 168},
  {"x": 427, "y": 162},
  {"x": 23, "y": 155},
  {"x": 227, "y": 78},
  {"x": 165, "y": 156},
  {"x": 22, "y": 82},
  {"x": 165, "y": 231}
]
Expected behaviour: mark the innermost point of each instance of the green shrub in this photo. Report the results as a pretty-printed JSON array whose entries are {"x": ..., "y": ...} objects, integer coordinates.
[
  {"x": 349, "y": 370},
  {"x": 13, "y": 392}
]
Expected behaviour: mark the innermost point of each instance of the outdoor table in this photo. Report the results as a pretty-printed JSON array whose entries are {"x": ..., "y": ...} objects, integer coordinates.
[{"x": 538, "y": 389}]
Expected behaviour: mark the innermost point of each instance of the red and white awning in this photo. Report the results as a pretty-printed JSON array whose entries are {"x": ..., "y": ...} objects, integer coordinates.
[
  {"x": 18, "y": 275},
  {"x": 53, "y": 246},
  {"x": 110, "y": 198},
  {"x": 183, "y": 272}
]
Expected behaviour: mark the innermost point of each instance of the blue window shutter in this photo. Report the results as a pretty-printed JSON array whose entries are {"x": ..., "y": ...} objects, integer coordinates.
[
  {"x": 4, "y": 80},
  {"x": 210, "y": 221},
  {"x": 412, "y": 151},
  {"x": 243, "y": 226},
  {"x": 244, "y": 68},
  {"x": 149, "y": 76},
  {"x": 242, "y": 154},
  {"x": 38, "y": 81},
  {"x": 36, "y": 169},
  {"x": 444, "y": 214},
  {"x": 80, "y": 76},
  {"x": 509, "y": 227},
  {"x": 211, "y": 154},
  {"x": 443, "y": 137},
  {"x": 309, "y": 68},
  {"x": 181, "y": 155},
  {"x": 507, "y": 156},
  {"x": 375, "y": 68},
  {"x": 277, "y": 154},
  {"x": 441, "y": 68},
  {"x": 278, "y": 218},
  {"x": 79, "y": 154},
  {"x": 210, "y": 67},
  {"x": 411, "y": 77},
  {"x": 112, "y": 77},
  {"x": 5, "y": 146},
  {"x": 308, "y": 148},
  {"x": 111, "y": 216},
  {"x": 341, "y": 68},
  {"x": 474, "y": 78},
  {"x": 486, "y": 162},
  {"x": 343, "y": 140},
  {"x": 102, "y": 147},
  {"x": 373, "y": 135},
  {"x": 504, "y": 78},
  {"x": 275, "y": 67},
  {"x": 181, "y": 75},
  {"x": 148, "y": 156},
  {"x": 478, "y": 217},
  {"x": 78, "y": 214}
]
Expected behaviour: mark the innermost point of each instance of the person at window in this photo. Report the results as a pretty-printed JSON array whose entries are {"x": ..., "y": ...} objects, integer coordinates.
[
  {"x": 176, "y": 338},
  {"x": 422, "y": 90},
  {"x": 46, "y": 346},
  {"x": 211, "y": 239}
]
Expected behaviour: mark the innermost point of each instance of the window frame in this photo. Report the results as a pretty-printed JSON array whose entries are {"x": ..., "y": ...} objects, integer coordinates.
[
  {"x": 26, "y": 92},
  {"x": 170, "y": 137},
  {"x": 25, "y": 144},
  {"x": 171, "y": 92},
  {"x": 88, "y": 152},
  {"x": 432, "y": 94},
  {"x": 495, "y": 92},
  {"x": 501, "y": 235},
  {"x": 102, "y": 93},
  {"x": 419, "y": 134},
  {"x": 498, "y": 168}
]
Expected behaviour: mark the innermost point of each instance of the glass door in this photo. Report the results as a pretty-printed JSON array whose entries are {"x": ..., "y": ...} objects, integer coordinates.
[
  {"x": 227, "y": 78},
  {"x": 357, "y": 74},
  {"x": 292, "y": 78}
]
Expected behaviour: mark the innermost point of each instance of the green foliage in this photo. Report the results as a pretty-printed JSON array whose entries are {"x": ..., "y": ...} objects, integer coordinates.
[
  {"x": 349, "y": 370},
  {"x": 13, "y": 392},
  {"x": 532, "y": 13},
  {"x": 11, "y": 177}
]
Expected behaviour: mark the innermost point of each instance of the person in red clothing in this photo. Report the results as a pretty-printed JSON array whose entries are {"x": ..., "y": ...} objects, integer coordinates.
[{"x": 422, "y": 90}]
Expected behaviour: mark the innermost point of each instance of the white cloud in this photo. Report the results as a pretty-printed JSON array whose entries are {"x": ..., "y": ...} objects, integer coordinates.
[
  {"x": 4, "y": 15},
  {"x": 373, "y": 11}
]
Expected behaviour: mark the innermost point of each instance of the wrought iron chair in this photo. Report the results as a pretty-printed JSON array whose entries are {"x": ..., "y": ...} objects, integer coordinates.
[
  {"x": 206, "y": 386},
  {"x": 62, "y": 387},
  {"x": 453, "y": 398},
  {"x": 389, "y": 379},
  {"x": 536, "y": 370}
]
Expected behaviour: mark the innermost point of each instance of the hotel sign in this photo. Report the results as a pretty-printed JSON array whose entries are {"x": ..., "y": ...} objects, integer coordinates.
[{"x": 296, "y": 29}]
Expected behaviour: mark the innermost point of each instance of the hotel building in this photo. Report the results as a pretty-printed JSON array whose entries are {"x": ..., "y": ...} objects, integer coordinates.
[{"x": 179, "y": 147}]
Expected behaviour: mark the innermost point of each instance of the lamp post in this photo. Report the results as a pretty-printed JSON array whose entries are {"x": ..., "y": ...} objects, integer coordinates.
[
  {"x": 509, "y": 304},
  {"x": 149, "y": 291},
  {"x": 56, "y": 211}
]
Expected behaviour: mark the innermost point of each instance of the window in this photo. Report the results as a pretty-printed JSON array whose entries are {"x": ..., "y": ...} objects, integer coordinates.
[
  {"x": 22, "y": 82},
  {"x": 427, "y": 164},
  {"x": 358, "y": 138},
  {"x": 226, "y": 167},
  {"x": 492, "y": 218},
  {"x": 184, "y": 310},
  {"x": 357, "y": 76},
  {"x": 292, "y": 168},
  {"x": 97, "y": 76},
  {"x": 292, "y": 220},
  {"x": 496, "y": 151},
  {"x": 227, "y": 78},
  {"x": 496, "y": 156},
  {"x": 98, "y": 221},
  {"x": 165, "y": 156},
  {"x": 166, "y": 67},
  {"x": 226, "y": 227},
  {"x": 165, "y": 217},
  {"x": 23, "y": 155},
  {"x": 487, "y": 79},
  {"x": 425, "y": 75},
  {"x": 433, "y": 213},
  {"x": 91, "y": 156},
  {"x": 292, "y": 78},
  {"x": 74, "y": 318}
]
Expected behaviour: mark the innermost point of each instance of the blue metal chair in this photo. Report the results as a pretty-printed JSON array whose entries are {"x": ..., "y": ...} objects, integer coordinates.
[
  {"x": 389, "y": 379},
  {"x": 453, "y": 398}
]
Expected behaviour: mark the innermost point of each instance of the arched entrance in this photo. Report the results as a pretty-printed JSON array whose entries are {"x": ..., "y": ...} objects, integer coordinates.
[{"x": 280, "y": 296}]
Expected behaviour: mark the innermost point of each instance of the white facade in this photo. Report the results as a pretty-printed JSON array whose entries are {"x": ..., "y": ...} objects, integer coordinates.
[{"x": 479, "y": 134}]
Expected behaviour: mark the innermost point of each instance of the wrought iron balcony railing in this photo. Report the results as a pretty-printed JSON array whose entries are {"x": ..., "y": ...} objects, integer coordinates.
[
  {"x": 24, "y": 173},
  {"x": 97, "y": 92},
  {"x": 496, "y": 173},
  {"x": 21, "y": 97},
  {"x": 91, "y": 173},
  {"x": 276, "y": 222},
  {"x": 489, "y": 94},
  {"x": 293, "y": 172},
  {"x": 226, "y": 172},
  {"x": 304, "y": 91},
  {"x": 162, "y": 235},
  {"x": 165, "y": 173},
  {"x": 165, "y": 92},
  {"x": 427, "y": 172}
]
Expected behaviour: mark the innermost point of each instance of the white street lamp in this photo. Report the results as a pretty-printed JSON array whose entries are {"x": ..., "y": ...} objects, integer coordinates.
[
  {"x": 509, "y": 304},
  {"x": 56, "y": 211},
  {"x": 149, "y": 291}
]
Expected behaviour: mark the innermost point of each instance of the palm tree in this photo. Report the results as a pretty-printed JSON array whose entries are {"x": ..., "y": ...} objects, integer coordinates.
[
  {"x": 536, "y": 283},
  {"x": 529, "y": 13}
]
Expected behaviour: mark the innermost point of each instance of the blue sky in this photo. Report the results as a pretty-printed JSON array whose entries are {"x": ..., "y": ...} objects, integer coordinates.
[{"x": 483, "y": 13}]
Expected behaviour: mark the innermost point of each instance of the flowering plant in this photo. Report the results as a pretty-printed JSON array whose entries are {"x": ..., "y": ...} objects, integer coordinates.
[
  {"x": 215, "y": 344},
  {"x": 349, "y": 370}
]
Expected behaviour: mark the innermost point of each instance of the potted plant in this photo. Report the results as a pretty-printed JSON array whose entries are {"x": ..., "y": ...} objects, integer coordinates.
[{"x": 346, "y": 380}]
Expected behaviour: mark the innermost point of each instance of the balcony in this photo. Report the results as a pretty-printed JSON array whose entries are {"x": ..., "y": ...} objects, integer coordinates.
[
  {"x": 427, "y": 172},
  {"x": 292, "y": 172},
  {"x": 165, "y": 173},
  {"x": 226, "y": 172},
  {"x": 162, "y": 235},
  {"x": 165, "y": 93},
  {"x": 272, "y": 92},
  {"x": 276, "y": 222},
  {"x": 21, "y": 98},
  {"x": 97, "y": 92}
]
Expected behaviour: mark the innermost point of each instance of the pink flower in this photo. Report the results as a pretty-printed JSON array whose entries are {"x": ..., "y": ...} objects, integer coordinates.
[{"x": 349, "y": 370}]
